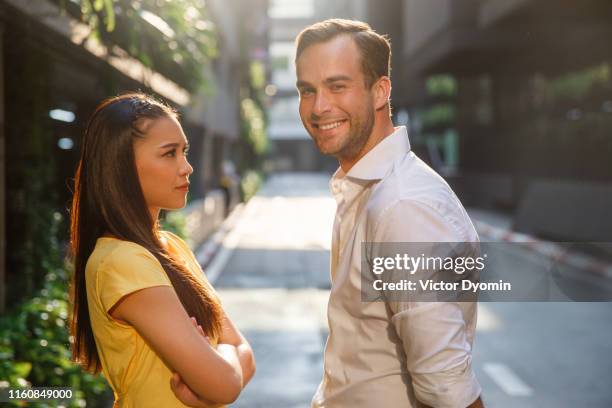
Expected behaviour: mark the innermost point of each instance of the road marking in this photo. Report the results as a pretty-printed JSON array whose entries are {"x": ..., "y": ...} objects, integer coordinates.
[{"x": 507, "y": 380}]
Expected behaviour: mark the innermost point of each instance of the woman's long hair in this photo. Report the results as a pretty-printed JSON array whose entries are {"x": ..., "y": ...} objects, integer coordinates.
[{"x": 108, "y": 199}]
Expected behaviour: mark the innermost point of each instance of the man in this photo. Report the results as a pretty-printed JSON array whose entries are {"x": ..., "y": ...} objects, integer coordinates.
[{"x": 380, "y": 354}]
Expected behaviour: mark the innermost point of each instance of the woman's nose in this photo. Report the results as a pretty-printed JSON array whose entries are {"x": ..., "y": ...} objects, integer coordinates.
[{"x": 186, "y": 167}]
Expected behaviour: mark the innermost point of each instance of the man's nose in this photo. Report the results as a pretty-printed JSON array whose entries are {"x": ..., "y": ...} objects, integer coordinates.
[{"x": 321, "y": 104}]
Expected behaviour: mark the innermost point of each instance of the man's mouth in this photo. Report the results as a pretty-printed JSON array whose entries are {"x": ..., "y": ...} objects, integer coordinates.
[{"x": 328, "y": 125}]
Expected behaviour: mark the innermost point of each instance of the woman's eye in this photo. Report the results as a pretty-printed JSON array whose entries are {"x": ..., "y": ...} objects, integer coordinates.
[{"x": 171, "y": 153}]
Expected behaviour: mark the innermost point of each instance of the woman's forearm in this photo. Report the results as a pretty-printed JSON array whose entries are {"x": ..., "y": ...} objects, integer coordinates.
[
  {"x": 231, "y": 335},
  {"x": 247, "y": 362},
  {"x": 230, "y": 354}
]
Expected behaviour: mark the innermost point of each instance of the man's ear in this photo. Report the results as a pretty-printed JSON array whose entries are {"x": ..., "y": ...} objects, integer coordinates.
[{"x": 382, "y": 92}]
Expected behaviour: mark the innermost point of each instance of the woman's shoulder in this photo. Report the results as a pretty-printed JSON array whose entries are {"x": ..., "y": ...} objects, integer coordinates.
[
  {"x": 116, "y": 246},
  {"x": 118, "y": 253},
  {"x": 120, "y": 267}
]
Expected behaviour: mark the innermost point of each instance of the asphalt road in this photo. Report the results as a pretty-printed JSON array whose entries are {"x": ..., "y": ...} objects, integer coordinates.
[{"x": 274, "y": 283}]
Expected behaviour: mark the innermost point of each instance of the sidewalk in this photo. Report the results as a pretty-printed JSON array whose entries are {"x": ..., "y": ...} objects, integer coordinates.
[{"x": 271, "y": 270}]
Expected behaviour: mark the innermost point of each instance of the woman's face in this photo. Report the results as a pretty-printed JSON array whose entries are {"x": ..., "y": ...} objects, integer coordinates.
[{"x": 161, "y": 161}]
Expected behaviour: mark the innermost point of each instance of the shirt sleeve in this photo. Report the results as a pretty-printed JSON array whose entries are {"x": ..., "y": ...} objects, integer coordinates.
[
  {"x": 436, "y": 336},
  {"x": 127, "y": 269}
]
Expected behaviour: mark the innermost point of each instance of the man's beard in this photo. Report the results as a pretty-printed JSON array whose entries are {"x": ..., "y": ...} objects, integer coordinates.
[{"x": 359, "y": 133}]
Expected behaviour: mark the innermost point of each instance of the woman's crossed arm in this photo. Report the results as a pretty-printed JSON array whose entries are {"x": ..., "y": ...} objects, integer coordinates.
[{"x": 215, "y": 375}]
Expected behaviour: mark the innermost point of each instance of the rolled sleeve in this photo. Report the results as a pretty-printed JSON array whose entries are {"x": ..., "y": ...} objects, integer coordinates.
[
  {"x": 436, "y": 336},
  {"x": 438, "y": 353}
]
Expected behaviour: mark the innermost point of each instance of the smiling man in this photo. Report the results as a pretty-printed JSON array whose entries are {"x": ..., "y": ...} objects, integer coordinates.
[{"x": 383, "y": 354}]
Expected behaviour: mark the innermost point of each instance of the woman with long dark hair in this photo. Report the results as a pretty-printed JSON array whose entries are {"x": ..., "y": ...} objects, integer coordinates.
[{"x": 143, "y": 312}]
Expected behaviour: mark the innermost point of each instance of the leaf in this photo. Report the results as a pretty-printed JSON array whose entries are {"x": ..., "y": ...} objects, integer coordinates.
[
  {"x": 98, "y": 4},
  {"x": 110, "y": 15},
  {"x": 22, "y": 369}
]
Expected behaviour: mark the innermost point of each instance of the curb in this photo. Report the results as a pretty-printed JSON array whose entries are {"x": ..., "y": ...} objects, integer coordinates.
[
  {"x": 548, "y": 249},
  {"x": 207, "y": 251}
]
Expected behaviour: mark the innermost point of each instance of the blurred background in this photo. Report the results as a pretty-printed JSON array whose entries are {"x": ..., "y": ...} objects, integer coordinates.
[{"x": 509, "y": 100}]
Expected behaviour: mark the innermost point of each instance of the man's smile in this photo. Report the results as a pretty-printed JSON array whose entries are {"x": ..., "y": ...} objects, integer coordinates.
[{"x": 328, "y": 125}]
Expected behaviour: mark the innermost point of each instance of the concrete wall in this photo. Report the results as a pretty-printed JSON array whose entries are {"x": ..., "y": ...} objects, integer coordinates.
[
  {"x": 423, "y": 20},
  {"x": 218, "y": 108},
  {"x": 492, "y": 191},
  {"x": 566, "y": 210},
  {"x": 492, "y": 11}
]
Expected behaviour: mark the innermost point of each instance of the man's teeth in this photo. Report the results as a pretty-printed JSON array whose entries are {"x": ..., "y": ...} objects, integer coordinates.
[{"x": 330, "y": 125}]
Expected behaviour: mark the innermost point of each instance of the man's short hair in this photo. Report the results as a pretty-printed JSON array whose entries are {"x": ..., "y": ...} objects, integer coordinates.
[{"x": 375, "y": 49}]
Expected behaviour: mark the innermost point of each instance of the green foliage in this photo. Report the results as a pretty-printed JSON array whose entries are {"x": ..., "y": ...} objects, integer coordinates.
[
  {"x": 253, "y": 126},
  {"x": 257, "y": 75},
  {"x": 441, "y": 85},
  {"x": 438, "y": 115},
  {"x": 251, "y": 182},
  {"x": 257, "y": 80},
  {"x": 34, "y": 341},
  {"x": 577, "y": 85},
  {"x": 31, "y": 178},
  {"x": 173, "y": 37},
  {"x": 91, "y": 8},
  {"x": 175, "y": 222}
]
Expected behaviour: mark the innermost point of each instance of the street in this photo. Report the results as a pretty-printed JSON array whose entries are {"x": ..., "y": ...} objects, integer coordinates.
[{"x": 273, "y": 280}]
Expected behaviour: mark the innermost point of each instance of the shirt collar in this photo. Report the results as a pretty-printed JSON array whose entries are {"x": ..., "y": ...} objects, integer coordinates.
[
  {"x": 374, "y": 165},
  {"x": 377, "y": 162}
]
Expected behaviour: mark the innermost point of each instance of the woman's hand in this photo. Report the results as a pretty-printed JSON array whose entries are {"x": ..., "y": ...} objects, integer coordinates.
[{"x": 186, "y": 395}]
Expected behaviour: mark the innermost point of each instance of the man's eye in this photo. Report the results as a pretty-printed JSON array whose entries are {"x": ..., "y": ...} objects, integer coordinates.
[
  {"x": 337, "y": 87},
  {"x": 306, "y": 92}
]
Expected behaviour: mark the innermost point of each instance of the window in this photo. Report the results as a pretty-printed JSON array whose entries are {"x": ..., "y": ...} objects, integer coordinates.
[{"x": 291, "y": 9}]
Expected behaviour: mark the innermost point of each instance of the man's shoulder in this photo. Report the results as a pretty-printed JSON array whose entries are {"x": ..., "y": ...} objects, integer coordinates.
[
  {"x": 410, "y": 187},
  {"x": 411, "y": 181}
]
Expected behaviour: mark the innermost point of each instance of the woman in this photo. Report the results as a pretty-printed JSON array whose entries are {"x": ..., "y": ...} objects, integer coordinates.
[{"x": 143, "y": 312}]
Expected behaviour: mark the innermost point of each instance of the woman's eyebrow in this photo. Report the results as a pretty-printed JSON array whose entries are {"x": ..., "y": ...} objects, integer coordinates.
[{"x": 173, "y": 144}]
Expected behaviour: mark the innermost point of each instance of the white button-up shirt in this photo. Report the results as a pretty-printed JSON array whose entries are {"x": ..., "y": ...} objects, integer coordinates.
[{"x": 386, "y": 354}]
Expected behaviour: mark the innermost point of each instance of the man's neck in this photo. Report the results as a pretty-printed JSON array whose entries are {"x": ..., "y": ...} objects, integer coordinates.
[{"x": 381, "y": 130}]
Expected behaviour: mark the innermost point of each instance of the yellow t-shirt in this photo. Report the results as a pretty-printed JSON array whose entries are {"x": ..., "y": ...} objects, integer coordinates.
[{"x": 138, "y": 377}]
